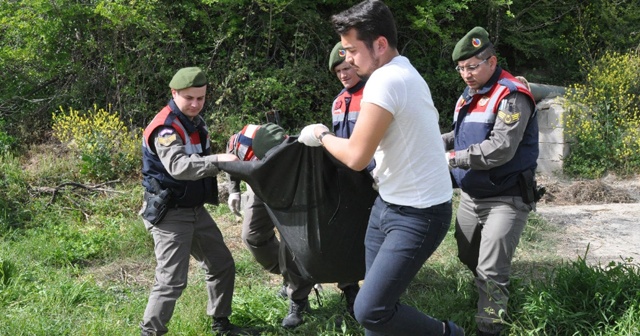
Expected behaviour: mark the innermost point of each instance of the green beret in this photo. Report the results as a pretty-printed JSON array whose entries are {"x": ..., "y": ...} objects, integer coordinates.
[
  {"x": 188, "y": 77},
  {"x": 476, "y": 40},
  {"x": 267, "y": 137},
  {"x": 337, "y": 56}
]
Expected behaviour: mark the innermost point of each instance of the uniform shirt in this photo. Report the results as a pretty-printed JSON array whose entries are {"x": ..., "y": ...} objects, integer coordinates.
[
  {"x": 180, "y": 165},
  {"x": 499, "y": 148},
  {"x": 176, "y": 154}
]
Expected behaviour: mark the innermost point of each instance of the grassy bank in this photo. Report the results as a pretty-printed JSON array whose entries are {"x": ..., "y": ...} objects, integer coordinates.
[{"x": 76, "y": 260}]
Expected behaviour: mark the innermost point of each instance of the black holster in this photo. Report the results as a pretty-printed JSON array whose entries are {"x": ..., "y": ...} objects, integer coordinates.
[
  {"x": 529, "y": 189},
  {"x": 156, "y": 204}
]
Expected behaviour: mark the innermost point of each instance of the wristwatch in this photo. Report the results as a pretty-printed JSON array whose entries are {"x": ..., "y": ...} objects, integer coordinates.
[{"x": 322, "y": 135}]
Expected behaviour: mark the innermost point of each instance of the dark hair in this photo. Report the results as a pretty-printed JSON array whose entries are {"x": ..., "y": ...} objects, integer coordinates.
[
  {"x": 371, "y": 19},
  {"x": 487, "y": 52}
]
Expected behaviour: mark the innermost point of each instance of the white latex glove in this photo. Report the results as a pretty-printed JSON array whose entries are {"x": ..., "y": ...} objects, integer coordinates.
[
  {"x": 234, "y": 203},
  {"x": 308, "y": 135}
]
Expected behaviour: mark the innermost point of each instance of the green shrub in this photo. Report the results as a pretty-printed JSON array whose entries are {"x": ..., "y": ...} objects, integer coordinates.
[
  {"x": 297, "y": 92},
  {"x": 603, "y": 118},
  {"x": 579, "y": 299},
  {"x": 7, "y": 142},
  {"x": 107, "y": 148},
  {"x": 14, "y": 199}
]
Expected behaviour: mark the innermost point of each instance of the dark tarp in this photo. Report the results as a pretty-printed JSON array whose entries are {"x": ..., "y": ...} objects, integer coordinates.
[{"x": 320, "y": 207}]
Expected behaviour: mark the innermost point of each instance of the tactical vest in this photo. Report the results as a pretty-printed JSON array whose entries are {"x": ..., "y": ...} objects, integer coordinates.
[
  {"x": 241, "y": 144},
  {"x": 474, "y": 118},
  {"x": 345, "y": 110},
  {"x": 184, "y": 194}
]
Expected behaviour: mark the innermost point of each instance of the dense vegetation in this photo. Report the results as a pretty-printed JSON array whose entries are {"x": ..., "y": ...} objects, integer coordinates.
[
  {"x": 76, "y": 260},
  {"x": 81, "y": 78},
  {"x": 268, "y": 55}
]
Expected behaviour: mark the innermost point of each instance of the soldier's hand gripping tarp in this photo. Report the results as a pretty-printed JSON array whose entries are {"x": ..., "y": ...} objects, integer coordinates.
[{"x": 320, "y": 207}]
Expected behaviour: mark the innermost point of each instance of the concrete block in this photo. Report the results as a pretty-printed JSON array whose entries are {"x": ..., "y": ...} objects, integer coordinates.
[
  {"x": 551, "y": 135},
  {"x": 550, "y": 116},
  {"x": 553, "y": 151},
  {"x": 549, "y": 166}
]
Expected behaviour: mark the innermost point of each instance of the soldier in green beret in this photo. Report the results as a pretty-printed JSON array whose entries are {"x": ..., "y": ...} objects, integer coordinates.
[
  {"x": 179, "y": 177},
  {"x": 492, "y": 155},
  {"x": 344, "y": 114}
]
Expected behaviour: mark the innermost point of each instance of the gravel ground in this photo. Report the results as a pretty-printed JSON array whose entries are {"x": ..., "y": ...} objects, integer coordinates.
[{"x": 598, "y": 218}]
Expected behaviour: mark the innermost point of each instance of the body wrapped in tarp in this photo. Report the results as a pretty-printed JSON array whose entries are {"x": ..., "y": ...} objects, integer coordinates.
[{"x": 320, "y": 207}]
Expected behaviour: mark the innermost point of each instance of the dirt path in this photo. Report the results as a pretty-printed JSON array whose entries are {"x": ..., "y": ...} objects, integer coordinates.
[{"x": 602, "y": 216}]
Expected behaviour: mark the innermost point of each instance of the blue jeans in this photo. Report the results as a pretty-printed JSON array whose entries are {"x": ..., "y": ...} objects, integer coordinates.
[{"x": 398, "y": 241}]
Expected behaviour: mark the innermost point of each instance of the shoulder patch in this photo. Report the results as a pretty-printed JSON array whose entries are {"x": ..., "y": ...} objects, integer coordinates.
[
  {"x": 167, "y": 139},
  {"x": 509, "y": 118}
]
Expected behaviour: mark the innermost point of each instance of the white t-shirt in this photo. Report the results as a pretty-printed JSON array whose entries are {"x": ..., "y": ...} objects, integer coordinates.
[{"x": 410, "y": 165}]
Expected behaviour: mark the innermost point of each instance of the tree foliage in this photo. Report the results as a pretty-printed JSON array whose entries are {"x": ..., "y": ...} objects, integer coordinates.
[{"x": 268, "y": 55}]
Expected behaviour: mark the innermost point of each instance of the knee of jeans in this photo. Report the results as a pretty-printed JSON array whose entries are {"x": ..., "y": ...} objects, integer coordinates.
[{"x": 369, "y": 318}]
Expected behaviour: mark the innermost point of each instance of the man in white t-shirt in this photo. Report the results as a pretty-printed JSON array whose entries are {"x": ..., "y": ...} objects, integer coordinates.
[{"x": 398, "y": 126}]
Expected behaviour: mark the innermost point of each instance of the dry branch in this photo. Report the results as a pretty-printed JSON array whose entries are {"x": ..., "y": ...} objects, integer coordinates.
[{"x": 74, "y": 186}]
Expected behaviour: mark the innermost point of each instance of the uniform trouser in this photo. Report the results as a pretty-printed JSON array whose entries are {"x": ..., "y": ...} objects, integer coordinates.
[
  {"x": 487, "y": 232},
  {"x": 398, "y": 241},
  {"x": 259, "y": 235},
  {"x": 184, "y": 232}
]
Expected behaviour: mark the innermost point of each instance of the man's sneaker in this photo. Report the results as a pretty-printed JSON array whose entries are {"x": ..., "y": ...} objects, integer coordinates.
[
  {"x": 221, "y": 326},
  {"x": 296, "y": 309},
  {"x": 454, "y": 329},
  {"x": 350, "y": 292}
]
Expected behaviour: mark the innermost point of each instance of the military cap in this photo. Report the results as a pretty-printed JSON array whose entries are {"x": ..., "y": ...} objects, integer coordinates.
[
  {"x": 267, "y": 137},
  {"x": 476, "y": 40},
  {"x": 188, "y": 77},
  {"x": 337, "y": 56}
]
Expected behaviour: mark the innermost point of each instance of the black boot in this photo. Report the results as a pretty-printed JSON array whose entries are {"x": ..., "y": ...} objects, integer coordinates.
[
  {"x": 350, "y": 292},
  {"x": 294, "y": 317},
  {"x": 222, "y": 326}
]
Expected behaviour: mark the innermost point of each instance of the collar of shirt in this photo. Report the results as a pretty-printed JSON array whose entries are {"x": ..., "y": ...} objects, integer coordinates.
[{"x": 356, "y": 87}]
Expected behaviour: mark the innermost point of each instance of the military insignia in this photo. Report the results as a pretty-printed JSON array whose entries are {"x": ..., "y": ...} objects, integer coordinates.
[
  {"x": 483, "y": 101},
  {"x": 342, "y": 53},
  {"x": 166, "y": 131},
  {"x": 167, "y": 139},
  {"x": 476, "y": 42},
  {"x": 509, "y": 118}
]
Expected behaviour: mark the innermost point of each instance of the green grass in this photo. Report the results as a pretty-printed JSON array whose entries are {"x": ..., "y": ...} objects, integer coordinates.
[{"x": 83, "y": 265}]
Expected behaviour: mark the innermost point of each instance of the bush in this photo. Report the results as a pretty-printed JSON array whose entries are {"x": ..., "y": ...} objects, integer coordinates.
[
  {"x": 603, "y": 118},
  {"x": 579, "y": 299},
  {"x": 107, "y": 148},
  {"x": 7, "y": 142},
  {"x": 15, "y": 208}
]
